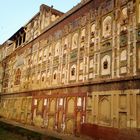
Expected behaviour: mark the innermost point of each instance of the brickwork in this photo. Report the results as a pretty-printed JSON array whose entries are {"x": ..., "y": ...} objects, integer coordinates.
[
  {"x": 106, "y": 133},
  {"x": 63, "y": 70}
]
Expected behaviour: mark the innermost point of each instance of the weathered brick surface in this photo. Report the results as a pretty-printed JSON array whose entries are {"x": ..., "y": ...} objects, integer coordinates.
[{"x": 108, "y": 133}]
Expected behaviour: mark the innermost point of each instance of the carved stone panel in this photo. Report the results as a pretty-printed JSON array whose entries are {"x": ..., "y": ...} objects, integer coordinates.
[
  {"x": 107, "y": 45},
  {"x": 73, "y": 55},
  {"x": 56, "y": 61},
  {"x": 105, "y": 110},
  {"x": 75, "y": 41},
  {"x": 91, "y": 50},
  {"x": 123, "y": 102},
  {"x": 122, "y": 120},
  {"x": 124, "y": 16},
  {"x": 82, "y": 52},
  {"x": 73, "y": 72},
  {"x": 107, "y": 27},
  {"x": 70, "y": 106}
]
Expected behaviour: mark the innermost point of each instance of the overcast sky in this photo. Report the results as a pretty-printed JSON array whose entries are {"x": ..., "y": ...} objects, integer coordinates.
[{"x": 16, "y": 13}]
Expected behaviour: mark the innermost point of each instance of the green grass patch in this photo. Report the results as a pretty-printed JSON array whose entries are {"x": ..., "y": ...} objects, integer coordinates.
[{"x": 10, "y": 132}]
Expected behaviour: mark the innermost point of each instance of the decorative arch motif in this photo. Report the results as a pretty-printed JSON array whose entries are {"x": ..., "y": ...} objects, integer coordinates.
[
  {"x": 124, "y": 15},
  {"x": 105, "y": 110},
  {"x": 73, "y": 72},
  {"x": 71, "y": 105},
  {"x": 107, "y": 27},
  {"x": 75, "y": 41},
  {"x": 79, "y": 101},
  {"x": 105, "y": 65}
]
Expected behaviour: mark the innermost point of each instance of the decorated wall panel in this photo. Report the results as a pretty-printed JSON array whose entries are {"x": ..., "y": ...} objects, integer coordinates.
[{"x": 98, "y": 47}]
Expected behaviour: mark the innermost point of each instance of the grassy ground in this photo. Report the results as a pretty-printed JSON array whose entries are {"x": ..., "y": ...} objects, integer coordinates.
[
  {"x": 6, "y": 135},
  {"x": 11, "y": 132}
]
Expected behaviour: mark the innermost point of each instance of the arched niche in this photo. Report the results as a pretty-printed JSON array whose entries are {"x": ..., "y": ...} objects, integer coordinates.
[
  {"x": 124, "y": 15},
  {"x": 107, "y": 27},
  {"x": 79, "y": 101},
  {"x": 70, "y": 106},
  {"x": 75, "y": 41},
  {"x": 106, "y": 65},
  {"x": 73, "y": 72},
  {"x": 105, "y": 110}
]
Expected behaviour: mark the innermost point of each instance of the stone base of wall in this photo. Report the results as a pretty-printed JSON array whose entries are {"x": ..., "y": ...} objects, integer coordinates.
[{"x": 108, "y": 133}]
